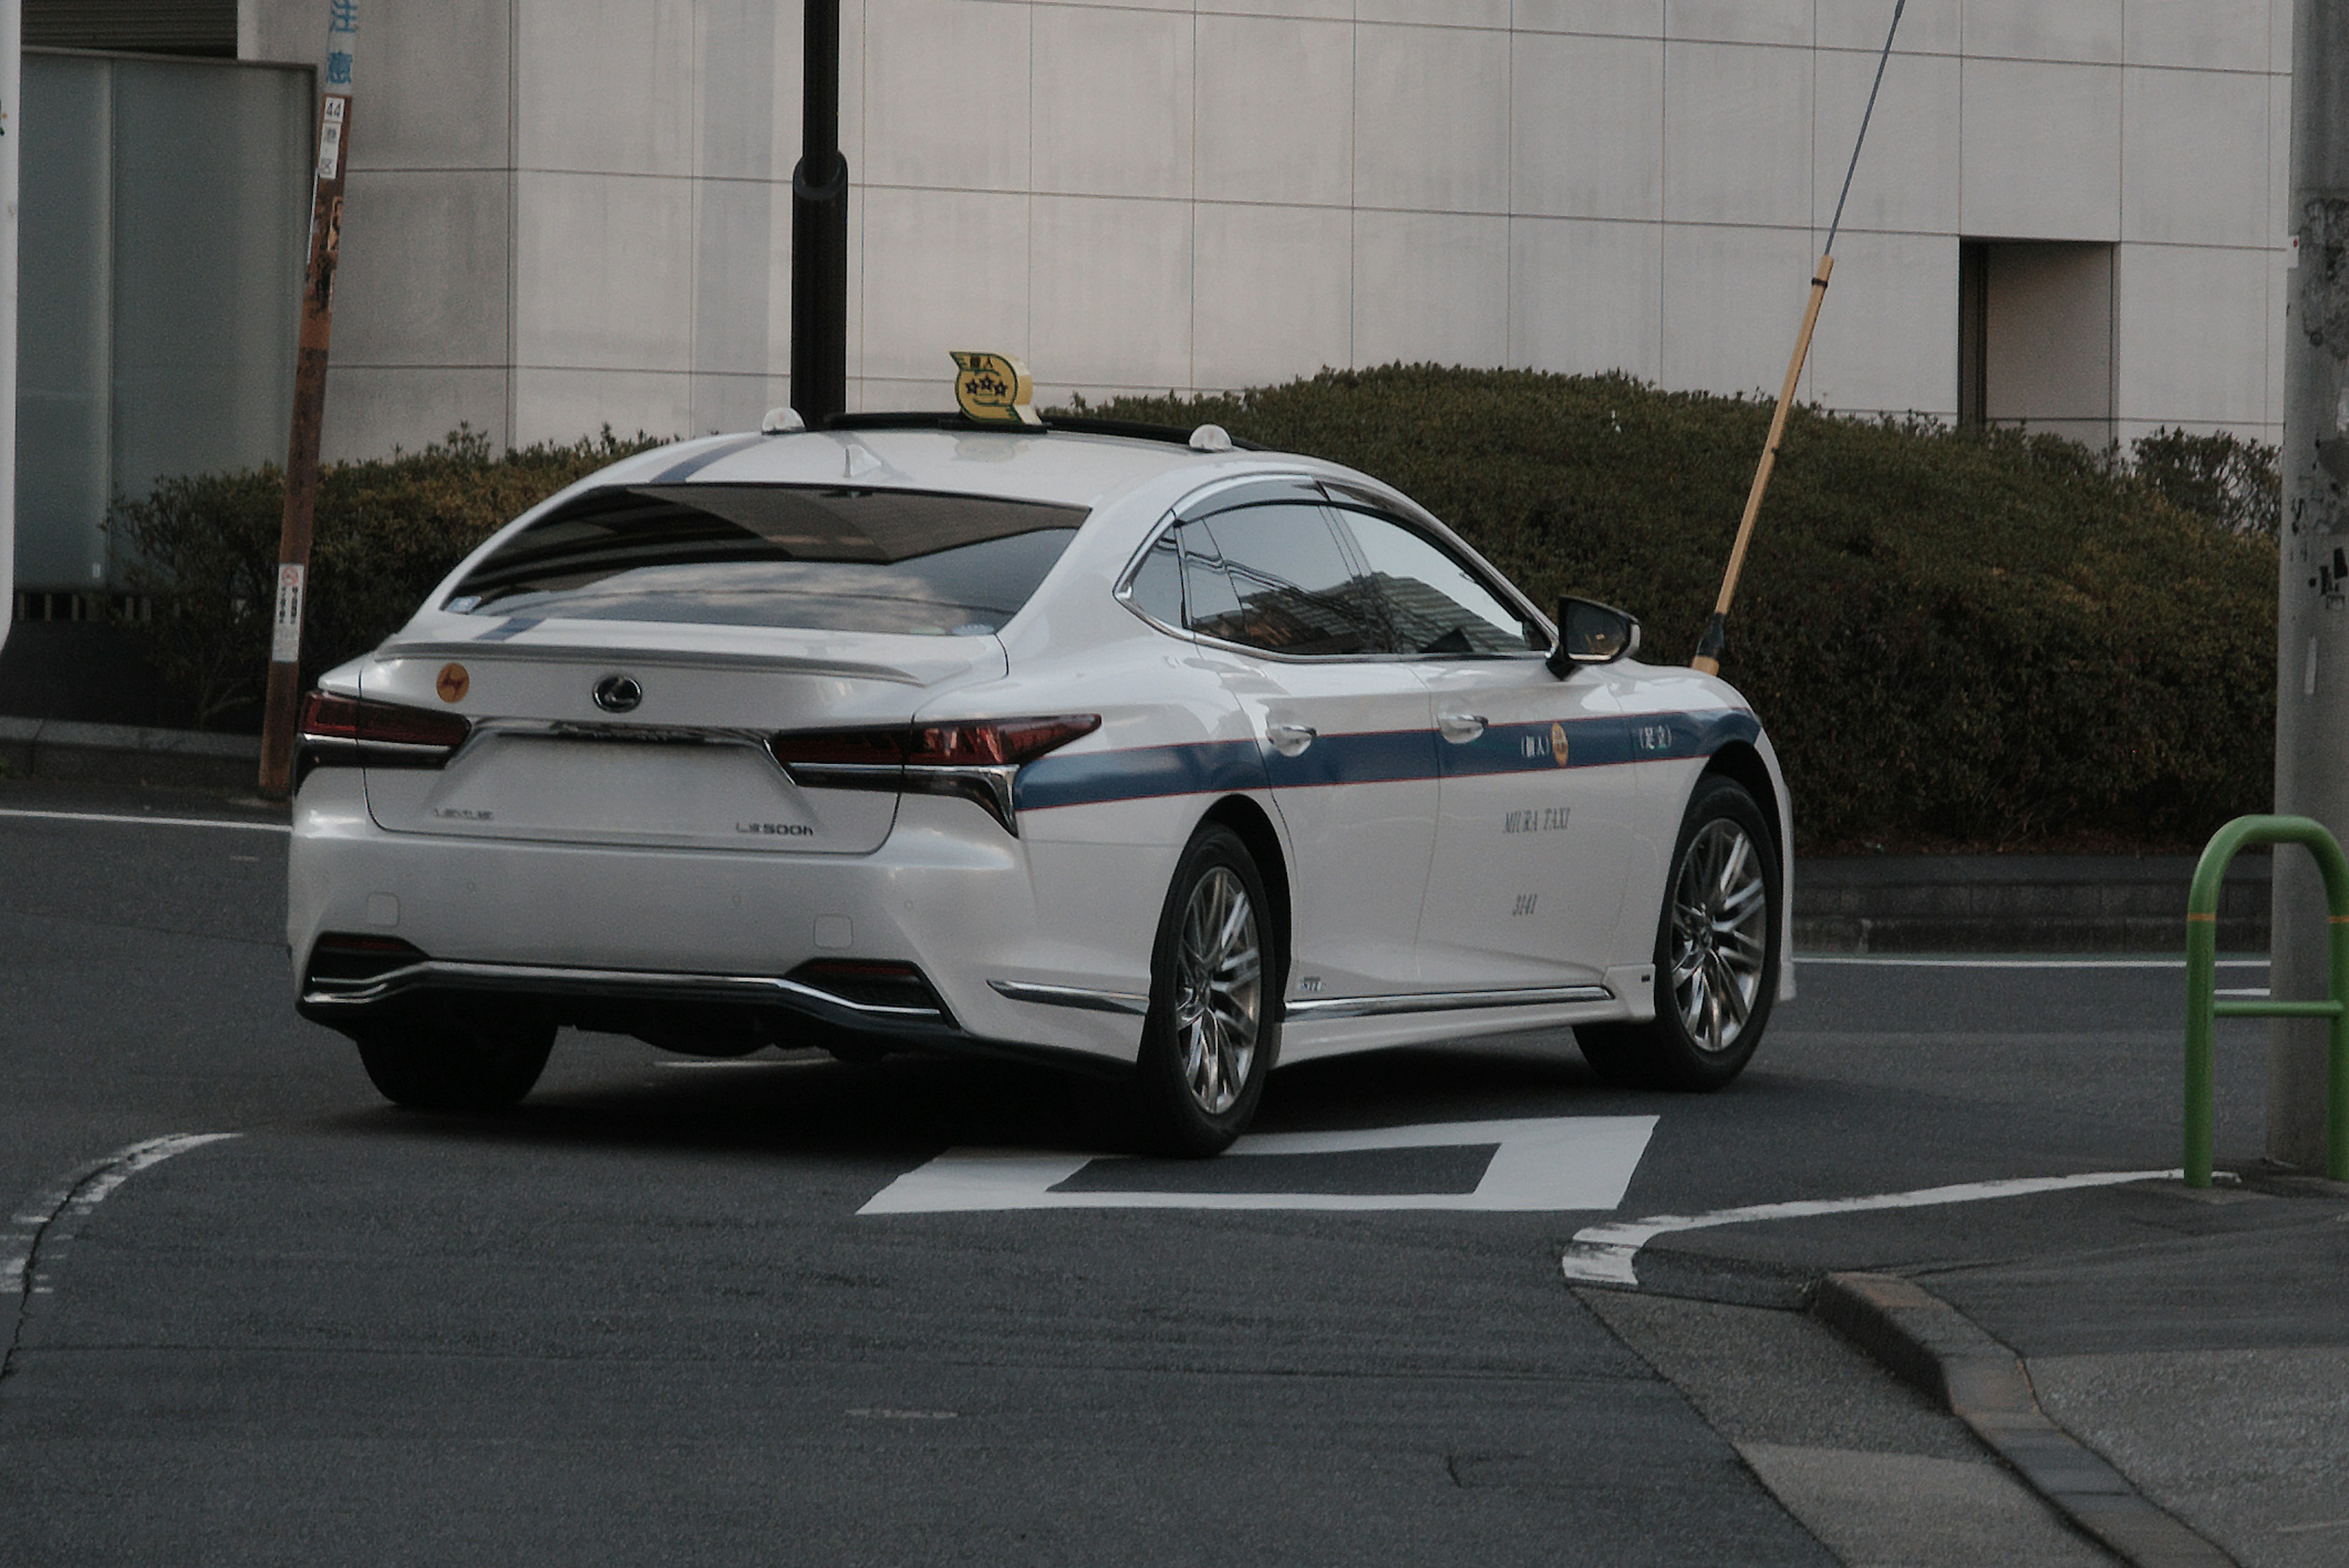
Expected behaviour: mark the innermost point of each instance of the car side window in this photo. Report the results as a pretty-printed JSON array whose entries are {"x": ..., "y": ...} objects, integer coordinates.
[
  {"x": 1293, "y": 590},
  {"x": 1156, "y": 588},
  {"x": 1436, "y": 603},
  {"x": 1208, "y": 600}
]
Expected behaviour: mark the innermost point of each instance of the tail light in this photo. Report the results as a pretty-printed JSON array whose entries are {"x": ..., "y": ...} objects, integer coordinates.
[
  {"x": 976, "y": 759},
  {"x": 358, "y": 730}
]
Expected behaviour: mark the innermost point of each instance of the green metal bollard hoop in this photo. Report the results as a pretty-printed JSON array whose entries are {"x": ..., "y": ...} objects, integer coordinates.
[{"x": 2204, "y": 1008}]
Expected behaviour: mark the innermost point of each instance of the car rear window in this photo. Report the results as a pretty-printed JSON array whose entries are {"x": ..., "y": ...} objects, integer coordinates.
[{"x": 775, "y": 554}]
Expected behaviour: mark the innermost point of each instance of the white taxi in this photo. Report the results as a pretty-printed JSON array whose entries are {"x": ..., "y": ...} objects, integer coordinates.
[{"x": 1106, "y": 746}]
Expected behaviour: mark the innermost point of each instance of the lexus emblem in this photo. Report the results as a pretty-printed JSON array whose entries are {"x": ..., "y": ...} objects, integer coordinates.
[{"x": 618, "y": 693}]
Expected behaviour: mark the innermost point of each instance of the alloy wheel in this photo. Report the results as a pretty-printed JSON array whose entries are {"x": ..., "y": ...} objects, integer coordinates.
[
  {"x": 1721, "y": 929},
  {"x": 1219, "y": 1001}
]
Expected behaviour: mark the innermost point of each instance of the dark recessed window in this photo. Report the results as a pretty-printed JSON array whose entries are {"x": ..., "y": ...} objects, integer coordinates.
[{"x": 133, "y": 27}]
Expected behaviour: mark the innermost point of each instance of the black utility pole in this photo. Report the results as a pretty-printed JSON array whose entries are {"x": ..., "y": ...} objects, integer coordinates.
[{"x": 820, "y": 230}]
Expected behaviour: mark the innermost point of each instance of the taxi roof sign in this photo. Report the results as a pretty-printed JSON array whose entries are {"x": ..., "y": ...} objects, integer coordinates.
[{"x": 993, "y": 389}]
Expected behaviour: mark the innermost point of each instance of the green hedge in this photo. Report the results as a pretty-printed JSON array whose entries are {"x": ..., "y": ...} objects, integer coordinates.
[
  {"x": 1956, "y": 638},
  {"x": 205, "y": 546}
]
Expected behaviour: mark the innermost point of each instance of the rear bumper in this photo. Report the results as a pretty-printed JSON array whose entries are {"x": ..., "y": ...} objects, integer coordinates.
[
  {"x": 583, "y": 993},
  {"x": 587, "y": 934}
]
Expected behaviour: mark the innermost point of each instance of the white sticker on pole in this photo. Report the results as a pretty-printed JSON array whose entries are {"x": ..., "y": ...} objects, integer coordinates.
[
  {"x": 285, "y": 637},
  {"x": 330, "y": 138}
]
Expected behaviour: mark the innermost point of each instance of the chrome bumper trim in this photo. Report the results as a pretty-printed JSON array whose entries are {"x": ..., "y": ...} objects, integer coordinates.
[
  {"x": 549, "y": 980},
  {"x": 988, "y": 786},
  {"x": 1444, "y": 1002},
  {"x": 1072, "y": 996}
]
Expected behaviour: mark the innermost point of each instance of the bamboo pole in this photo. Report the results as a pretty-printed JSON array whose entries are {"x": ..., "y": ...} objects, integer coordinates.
[
  {"x": 1709, "y": 645},
  {"x": 1708, "y": 652}
]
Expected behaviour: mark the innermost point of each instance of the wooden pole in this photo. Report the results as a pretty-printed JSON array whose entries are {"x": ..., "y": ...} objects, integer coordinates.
[
  {"x": 1708, "y": 652},
  {"x": 280, "y": 713}
]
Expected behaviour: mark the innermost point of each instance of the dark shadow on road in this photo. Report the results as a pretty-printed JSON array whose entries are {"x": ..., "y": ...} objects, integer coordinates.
[{"x": 804, "y": 1103}]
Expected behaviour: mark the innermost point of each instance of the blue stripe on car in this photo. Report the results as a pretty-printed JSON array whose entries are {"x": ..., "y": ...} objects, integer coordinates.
[
  {"x": 1095, "y": 778},
  {"x": 1374, "y": 758},
  {"x": 1090, "y": 778},
  {"x": 1532, "y": 748},
  {"x": 1663, "y": 737}
]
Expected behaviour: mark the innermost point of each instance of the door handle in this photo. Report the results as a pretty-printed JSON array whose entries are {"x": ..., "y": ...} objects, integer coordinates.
[
  {"x": 1460, "y": 728},
  {"x": 1290, "y": 740}
]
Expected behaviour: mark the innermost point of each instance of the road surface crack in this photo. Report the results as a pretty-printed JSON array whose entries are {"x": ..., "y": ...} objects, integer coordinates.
[{"x": 50, "y": 1218}]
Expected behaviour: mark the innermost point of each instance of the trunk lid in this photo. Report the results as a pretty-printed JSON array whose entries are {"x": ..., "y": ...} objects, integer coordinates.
[{"x": 675, "y": 756}]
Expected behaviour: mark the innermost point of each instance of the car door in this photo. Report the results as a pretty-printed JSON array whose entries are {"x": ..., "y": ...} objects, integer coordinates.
[
  {"x": 1279, "y": 609},
  {"x": 1538, "y": 802}
]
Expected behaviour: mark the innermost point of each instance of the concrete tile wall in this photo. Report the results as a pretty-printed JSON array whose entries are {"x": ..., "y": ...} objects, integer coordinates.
[
  {"x": 586, "y": 201},
  {"x": 1586, "y": 295}
]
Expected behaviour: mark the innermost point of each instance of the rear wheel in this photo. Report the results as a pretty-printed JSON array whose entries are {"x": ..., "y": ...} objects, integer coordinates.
[
  {"x": 1212, "y": 1030},
  {"x": 1717, "y": 954},
  {"x": 452, "y": 1061}
]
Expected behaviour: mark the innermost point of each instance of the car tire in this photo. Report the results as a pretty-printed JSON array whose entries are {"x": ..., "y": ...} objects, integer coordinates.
[
  {"x": 1716, "y": 953},
  {"x": 1213, "y": 1026},
  {"x": 455, "y": 1063}
]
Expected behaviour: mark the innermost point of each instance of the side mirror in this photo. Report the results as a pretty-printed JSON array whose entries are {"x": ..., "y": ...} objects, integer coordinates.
[{"x": 1592, "y": 633}]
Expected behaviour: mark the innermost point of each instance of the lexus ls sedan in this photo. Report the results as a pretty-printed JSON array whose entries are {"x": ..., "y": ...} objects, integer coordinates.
[{"x": 1102, "y": 745}]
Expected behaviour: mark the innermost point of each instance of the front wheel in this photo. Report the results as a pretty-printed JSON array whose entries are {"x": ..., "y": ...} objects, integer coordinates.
[
  {"x": 1213, "y": 1029},
  {"x": 1716, "y": 953},
  {"x": 451, "y": 1062}
]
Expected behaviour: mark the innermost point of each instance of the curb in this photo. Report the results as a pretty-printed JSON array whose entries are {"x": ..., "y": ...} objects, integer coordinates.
[
  {"x": 2016, "y": 903},
  {"x": 1928, "y": 1342},
  {"x": 121, "y": 754}
]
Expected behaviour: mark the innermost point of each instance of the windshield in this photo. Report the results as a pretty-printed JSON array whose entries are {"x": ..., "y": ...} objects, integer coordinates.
[{"x": 778, "y": 556}]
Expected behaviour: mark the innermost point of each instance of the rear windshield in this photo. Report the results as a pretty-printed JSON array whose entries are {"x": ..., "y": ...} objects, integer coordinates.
[{"x": 775, "y": 554}]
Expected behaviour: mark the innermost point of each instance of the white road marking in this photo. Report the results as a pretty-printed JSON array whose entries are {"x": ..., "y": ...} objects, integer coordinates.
[
  {"x": 1896, "y": 961},
  {"x": 72, "y": 1198},
  {"x": 1543, "y": 1165},
  {"x": 903, "y": 1415},
  {"x": 1603, "y": 1254},
  {"x": 148, "y": 821}
]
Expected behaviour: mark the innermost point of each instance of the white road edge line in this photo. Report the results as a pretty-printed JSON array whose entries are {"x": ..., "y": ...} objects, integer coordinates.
[
  {"x": 1604, "y": 1254},
  {"x": 147, "y": 821},
  {"x": 72, "y": 1198},
  {"x": 1896, "y": 961}
]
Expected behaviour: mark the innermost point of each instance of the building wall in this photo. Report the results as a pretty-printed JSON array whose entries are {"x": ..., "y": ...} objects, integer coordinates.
[
  {"x": 569, "y": 213},
  {"x": 163, "y": 209}
]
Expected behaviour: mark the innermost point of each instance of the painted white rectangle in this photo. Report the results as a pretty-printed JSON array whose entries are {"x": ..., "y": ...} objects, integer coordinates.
[
  {"x": 1543, "y": 1164},
  {"x": 330, "y": 138},
  {"x": 286, "y": 633}
]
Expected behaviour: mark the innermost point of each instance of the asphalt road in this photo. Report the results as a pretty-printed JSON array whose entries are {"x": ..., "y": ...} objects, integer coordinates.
[{"x": 641, "y": 1320}]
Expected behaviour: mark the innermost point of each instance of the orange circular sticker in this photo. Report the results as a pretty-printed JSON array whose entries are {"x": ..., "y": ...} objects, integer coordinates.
[
  {"x": 1557, "y": 741},
  {"x": 453, "y": 683}
]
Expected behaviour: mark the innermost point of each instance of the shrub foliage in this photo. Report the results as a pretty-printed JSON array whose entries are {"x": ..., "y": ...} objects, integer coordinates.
[
  {"x": 206, "y": 546},
  {"x": 1955, "y": 637}
]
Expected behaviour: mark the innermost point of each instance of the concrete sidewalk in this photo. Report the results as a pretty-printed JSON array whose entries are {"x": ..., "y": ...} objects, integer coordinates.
[
  {"x": 2211, "y": 1369},
  {"x": 2169, "y": 1368}
]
